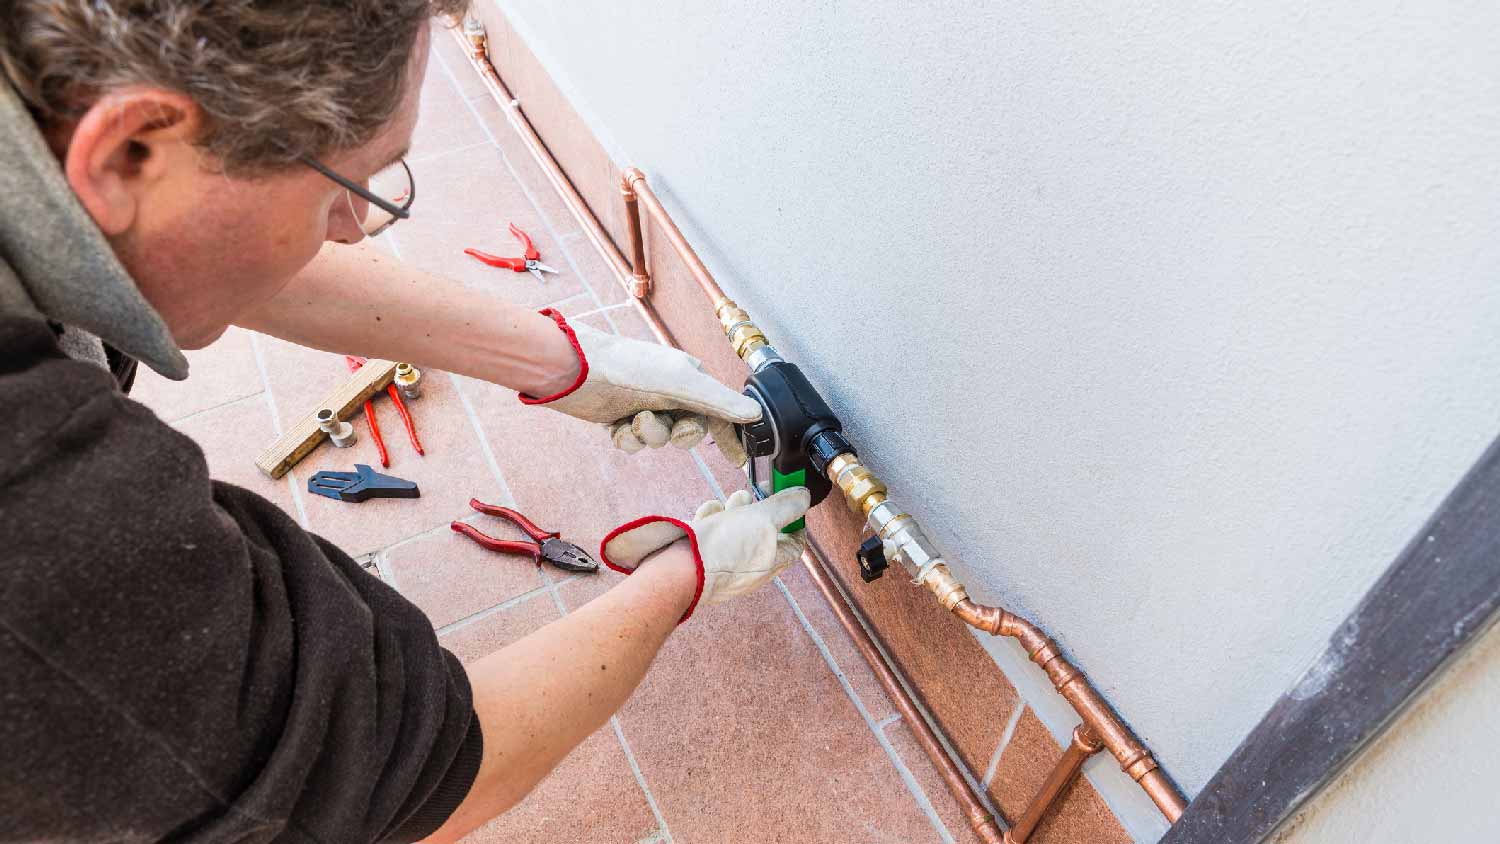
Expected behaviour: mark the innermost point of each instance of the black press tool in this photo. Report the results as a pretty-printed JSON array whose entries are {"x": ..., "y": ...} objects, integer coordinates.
[{"x": 361, "y": 484}]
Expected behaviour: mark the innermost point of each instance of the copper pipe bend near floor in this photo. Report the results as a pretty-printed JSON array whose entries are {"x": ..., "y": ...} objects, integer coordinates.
[
  {"x": 1135, "y": 760},
  {"x": 635, "y": 180},
  {"x": 1083, "y": 745}
]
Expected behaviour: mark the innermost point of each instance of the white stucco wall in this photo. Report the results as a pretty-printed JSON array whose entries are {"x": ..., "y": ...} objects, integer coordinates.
[
  {"x": 1432, "y": 777},
  {"x": 1173, "y": 323}
]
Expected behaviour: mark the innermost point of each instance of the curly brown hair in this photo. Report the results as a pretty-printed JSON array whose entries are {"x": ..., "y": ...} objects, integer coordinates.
[{"x": 275, "y": 78}]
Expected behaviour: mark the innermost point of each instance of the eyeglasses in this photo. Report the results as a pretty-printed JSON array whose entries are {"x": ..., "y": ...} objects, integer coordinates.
[{"x": 384, "y": 198}]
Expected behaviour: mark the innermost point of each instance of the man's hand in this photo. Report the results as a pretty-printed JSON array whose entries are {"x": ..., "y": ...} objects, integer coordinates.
[
  {"x": 649, "y": 395},
  {"x": 738, "y": 545}
]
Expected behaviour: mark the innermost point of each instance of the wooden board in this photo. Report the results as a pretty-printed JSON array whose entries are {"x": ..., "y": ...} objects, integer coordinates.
[
  {"x": 1440, "y": 595},
  {"x": 303, "y": 437}
]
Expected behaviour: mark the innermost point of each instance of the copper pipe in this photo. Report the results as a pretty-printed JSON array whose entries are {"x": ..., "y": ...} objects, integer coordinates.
[
  {"x": 974, "y": 812},
  {"x": 1135, "y": 760},
  {"x": 1084, "y": 745},
  {"x": 473, "y": 38},
  {"x": 641, "y": 282},
  {"x": 636, "y": 181}
]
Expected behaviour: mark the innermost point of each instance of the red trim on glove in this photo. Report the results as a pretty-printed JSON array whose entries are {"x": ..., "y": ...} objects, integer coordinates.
[
  {"x": 583, "y": 362},
  {"x": 646, "y": 520}
]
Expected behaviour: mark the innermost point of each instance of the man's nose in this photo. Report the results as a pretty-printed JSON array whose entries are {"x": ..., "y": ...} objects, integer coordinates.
[{"x": 342, "y": 225}]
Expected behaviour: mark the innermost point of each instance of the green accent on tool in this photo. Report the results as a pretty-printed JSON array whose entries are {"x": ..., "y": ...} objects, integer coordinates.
[{"x": 780, "y": 482}]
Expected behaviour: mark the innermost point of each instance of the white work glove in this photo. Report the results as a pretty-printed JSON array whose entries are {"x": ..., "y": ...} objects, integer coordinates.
[
  {"x": 738, "y": 545},
  {"x": 649, "y": 394}
]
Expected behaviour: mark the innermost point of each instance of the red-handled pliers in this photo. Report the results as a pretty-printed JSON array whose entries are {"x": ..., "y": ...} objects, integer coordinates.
[
  {"x": 530, "y": 262},
  {"x": 411, "y": 429},
  {"x": 545, "y": 545}
]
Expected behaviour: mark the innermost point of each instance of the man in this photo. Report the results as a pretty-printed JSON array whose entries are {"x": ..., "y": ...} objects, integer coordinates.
[{"x": 179, "y": 659}]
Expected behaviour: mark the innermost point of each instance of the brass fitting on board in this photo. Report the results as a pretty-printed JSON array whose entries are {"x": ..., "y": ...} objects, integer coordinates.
[
  {"x": 744, "y": 336},
  {"x": 408, "y": 380}
]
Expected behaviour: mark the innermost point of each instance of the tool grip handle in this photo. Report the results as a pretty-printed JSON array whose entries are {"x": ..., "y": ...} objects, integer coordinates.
[
  {"x": 530, "y": 248},
  {"x": 517, "y": 264},
  {"x": 521, "y": 521},
  {"x": 506, "y": 546}
]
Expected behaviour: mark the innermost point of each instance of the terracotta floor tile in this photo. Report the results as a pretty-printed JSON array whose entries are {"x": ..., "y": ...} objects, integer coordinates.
[
  {"x": 453, "y": 470},
  {"x": 744, "y": 735},
  {"x": 231, "y": 435},
  {"x": 450, "y": 577},
  {"x": 527, "y": 171},
  {"x": 931, "y": 783},
  {"x": 1081, "y": 814},
  {"x": 453, "y": 55},
  {"x": 566, "y": 474},
  {"x": 472, "y": 200},
  {"x": 591, "y": 266},
  {"x": 445, "y": 122},
  {"x": 631, "y": 324},
  {"x": 592, "y": 796},
  {"x": 484, "y": 636},
  {"x": 221, "y": 373},
  {"x": 822, "y": 619}
]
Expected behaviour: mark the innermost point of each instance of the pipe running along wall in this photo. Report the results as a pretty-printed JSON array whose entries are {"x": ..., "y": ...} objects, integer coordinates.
[{"x": 903, "y": 538}]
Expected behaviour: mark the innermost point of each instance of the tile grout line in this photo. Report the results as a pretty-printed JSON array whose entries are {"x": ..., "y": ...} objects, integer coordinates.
[
  {"x": 508, "y": 603},
  {"x": 265, "y": 382},
  {"x": 525, "y": 191},
  {"x": 431, "y": 156},
  {"x": 603, "y": 310},
  {"x": 708, "y": 475},
  {"x": 1005, "y": 737},
  {"x": 915, "y": 788},
  {"x": 188, "y": 417},
  {"x": 640, "y": 778},
  {"x": 507, "y": 498}
]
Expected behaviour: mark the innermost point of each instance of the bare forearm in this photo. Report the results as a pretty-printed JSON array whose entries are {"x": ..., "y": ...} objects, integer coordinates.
[
  {"x": 358, "y": 300},
  {"x": 540, "y": 697}
]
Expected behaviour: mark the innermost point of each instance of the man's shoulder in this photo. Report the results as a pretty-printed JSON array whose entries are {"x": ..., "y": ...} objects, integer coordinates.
[{"x": 53, "y": 404}]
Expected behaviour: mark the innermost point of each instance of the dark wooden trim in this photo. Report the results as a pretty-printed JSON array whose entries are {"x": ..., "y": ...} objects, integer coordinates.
[{"x": 1439, "y": 595}]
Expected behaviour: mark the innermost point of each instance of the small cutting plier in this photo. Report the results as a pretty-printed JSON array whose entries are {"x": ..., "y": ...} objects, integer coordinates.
[
  {"x": 529, "y": 262},
  {"x": 544, "y": 546}
]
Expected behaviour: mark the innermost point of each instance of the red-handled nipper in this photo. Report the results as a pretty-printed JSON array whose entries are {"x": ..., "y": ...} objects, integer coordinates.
[
  {"x": 530, "y": 262},
  {"x": 545, "y": 546},
  {"x": 355, "y": 363}
]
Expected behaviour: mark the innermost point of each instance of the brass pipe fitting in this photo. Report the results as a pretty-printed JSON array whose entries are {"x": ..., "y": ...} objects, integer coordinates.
[
  {"x": 744, "y": 336},
  {"x": 408, "y": 380},
  {"x": 863, "y": 492}
]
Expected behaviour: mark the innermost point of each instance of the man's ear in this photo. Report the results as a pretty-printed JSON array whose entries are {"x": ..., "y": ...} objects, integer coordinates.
[{"x": 122, "y": 148}]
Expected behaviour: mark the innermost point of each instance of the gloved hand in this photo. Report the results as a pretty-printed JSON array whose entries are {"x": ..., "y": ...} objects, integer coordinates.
[
  {"x": 738, "y": 545},
  {"x": 648, "y": 394}
]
